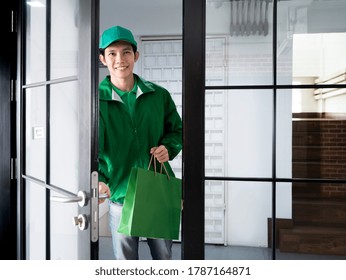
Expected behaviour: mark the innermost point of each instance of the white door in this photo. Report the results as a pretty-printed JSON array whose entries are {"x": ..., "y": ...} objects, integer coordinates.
[{"x": 59, "y": 131}]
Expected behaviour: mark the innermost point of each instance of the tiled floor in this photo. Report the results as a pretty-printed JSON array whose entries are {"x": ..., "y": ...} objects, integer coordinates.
[{"x": 218, "y": 252}]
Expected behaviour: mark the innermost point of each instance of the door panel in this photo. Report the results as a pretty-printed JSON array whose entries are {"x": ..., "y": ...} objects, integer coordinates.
[
  {"x": 64, "y": 38},
  {"x": 35, "y": 226},
  {"x": 35, "y": 43},
  {"x": 59, "y": 129},
  {"x": 64, "y": 131},
  {"x": 35, "y": 122}
]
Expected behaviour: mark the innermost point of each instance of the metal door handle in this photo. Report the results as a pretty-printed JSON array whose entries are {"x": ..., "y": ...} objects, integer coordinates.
[
  {"x": 68, "y": 197},
  {"x": 81, "y": 198},
  {"x": 81, "y": 221}
]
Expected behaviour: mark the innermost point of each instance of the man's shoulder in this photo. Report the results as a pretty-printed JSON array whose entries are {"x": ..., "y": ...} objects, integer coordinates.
[{"x": 105, "y": 89}]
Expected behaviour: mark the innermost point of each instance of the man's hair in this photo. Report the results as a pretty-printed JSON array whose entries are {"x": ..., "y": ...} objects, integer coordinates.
[{"x": 102, "y": 51}]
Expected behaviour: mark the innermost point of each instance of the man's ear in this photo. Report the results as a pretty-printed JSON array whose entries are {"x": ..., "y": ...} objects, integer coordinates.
[
  {"x": 102, "y": 59},
  {"x": 136, "y": 56}
]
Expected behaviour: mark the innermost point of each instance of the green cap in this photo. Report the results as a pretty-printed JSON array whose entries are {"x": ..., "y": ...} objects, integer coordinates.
[{"x": 116, "y": 33}]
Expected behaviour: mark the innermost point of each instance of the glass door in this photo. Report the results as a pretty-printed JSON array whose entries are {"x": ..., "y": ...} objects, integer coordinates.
[{"x": 59, "y": 131}]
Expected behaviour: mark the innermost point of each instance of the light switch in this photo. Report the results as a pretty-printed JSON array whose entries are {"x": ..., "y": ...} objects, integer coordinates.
[{"x": 38, "y": 132}]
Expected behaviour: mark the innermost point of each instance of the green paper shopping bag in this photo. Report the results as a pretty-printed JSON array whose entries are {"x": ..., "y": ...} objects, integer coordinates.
[{"x": 152, "y": 205}]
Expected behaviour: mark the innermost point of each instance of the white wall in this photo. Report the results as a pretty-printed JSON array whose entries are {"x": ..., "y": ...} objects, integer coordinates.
[{"x": 319, "y": 56}]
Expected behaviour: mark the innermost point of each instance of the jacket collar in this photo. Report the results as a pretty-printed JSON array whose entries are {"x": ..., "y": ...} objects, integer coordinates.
[
  {"x": 116, "y": 97},
  {"x": 107, "y": 93}
]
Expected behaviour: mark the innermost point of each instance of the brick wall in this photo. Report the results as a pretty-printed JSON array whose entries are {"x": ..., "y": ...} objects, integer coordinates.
[{"x": 319, "y": 151}]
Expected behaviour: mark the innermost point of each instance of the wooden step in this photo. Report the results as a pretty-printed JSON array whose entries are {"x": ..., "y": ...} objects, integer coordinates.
[{"x": 313, "y": 240}]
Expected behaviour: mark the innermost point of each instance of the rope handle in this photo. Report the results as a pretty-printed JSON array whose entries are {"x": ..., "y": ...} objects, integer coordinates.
[{"x": 162, "y": 166}]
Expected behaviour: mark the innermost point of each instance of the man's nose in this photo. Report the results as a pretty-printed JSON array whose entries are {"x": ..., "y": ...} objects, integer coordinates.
[{"x": 119, "y": 58}]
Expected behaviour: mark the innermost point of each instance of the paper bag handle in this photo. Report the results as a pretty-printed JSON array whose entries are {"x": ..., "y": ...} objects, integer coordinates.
[{"x": 162, "y": 166}]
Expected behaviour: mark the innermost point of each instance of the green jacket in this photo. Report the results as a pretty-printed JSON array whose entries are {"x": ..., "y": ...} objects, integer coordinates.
[{"x": 125, "y": 141}]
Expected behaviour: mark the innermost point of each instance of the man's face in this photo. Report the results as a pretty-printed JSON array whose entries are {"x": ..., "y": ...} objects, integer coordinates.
[{"x": 119, "y": 59}]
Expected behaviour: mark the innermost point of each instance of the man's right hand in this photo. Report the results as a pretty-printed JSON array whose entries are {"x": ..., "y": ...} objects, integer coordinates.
[{"x": 103, "y": 189}]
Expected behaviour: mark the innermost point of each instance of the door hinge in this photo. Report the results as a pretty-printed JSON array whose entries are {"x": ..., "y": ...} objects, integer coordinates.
[
  {"x": 13, "y": 168},
  {"x": 13, "y": 21}
]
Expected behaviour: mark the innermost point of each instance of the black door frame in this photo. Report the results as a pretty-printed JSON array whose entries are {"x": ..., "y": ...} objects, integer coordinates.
[
  {"x": 193, "y": 129},
  {"x": 8, "y": 153}
]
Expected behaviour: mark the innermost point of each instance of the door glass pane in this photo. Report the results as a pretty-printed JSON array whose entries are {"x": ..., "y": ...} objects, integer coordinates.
[
  {"x": 311, "y": 36},
  {"x": 310, "y": 142},
  {"x": 284, "y": 134},
  {"x": 64, "y": 39},
  {"x": 35, "y": 216},
  {"x": 64, "y": 132},
  {"x": 35, "y": 43},
  {"x": 35, "y": 135},
  {"x": 310, "y": 223},
  {"x": 161, "y": 63},
  {"x": 64, "y": 172},
  {"x": 215, "y": 222},
  {"x": 246, "y": 228},
  {"x": 64, "y": 163},
  {"x": 64, "y": 234},
  {"x": 245, "y": 55},
  {"x": 238, "y": 133}
]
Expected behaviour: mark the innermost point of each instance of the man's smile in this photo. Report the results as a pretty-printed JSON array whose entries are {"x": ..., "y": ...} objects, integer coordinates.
[{"x": 121, "y": 67}]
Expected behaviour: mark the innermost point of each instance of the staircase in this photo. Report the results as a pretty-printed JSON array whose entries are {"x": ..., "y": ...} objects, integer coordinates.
[
  {"x": 318, "y": 223},
  {"x": 318, "y": 227}
]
